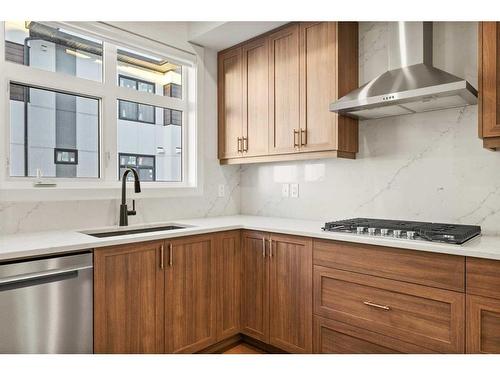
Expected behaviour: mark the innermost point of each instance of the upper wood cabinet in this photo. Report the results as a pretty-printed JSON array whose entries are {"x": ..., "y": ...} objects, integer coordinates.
[
  {"x": 489, "y": 84},
  {"x": 289, "y": 77},
  {"x": 128, "y": 295}
]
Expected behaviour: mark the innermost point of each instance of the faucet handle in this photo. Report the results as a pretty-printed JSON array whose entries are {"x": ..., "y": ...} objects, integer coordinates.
[{"x": 132, "y": 212}]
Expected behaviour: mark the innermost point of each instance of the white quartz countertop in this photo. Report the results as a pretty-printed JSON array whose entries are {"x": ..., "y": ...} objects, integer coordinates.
[{"x": 56, "y": 242}]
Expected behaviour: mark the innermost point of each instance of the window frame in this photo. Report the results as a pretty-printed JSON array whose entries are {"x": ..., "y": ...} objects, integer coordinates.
[
  {"x": 107, "y": 184},
  {"x": 58, "y": 149},
  {"x": 120, "y": 154},
  {"x": 137, "y": 81},
  {"x": 120, "y": 117}
]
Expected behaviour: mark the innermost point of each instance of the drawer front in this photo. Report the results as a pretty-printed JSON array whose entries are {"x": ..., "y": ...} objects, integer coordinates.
[
  {"x": 427, "y": 317},
  {"x": 332, "y": 337},
  {"x": 419, "y": 267},
  {"x": 483, "y": 325},
  {"x": 483, "y": 277}
]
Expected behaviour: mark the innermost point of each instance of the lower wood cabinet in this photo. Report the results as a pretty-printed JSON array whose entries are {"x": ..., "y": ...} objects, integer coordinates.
[
  {"x": 190, "y": 293},
  {"x": 483, "y": 325},
  {"x": 128, "y": 299},
  {"x": 277, "y": 290}
]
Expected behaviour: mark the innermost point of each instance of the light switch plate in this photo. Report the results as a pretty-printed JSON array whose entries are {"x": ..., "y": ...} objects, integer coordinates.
[
  {"x": 294, "y": 190},
  {"x": 285, "y": 190},
  {"x": 222, "y": 191}
]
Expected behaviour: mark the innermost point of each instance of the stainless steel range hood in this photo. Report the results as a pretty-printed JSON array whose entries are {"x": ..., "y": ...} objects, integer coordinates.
[{"x": 412, "y": 84}]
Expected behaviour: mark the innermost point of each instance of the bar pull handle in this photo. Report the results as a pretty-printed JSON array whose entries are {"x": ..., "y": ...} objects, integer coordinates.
[
  {"x": 170, "y": 255},
  {"x": 270, "y": 247},
  {"x": 296, "y": 134},
  {"x": 161, "y": 256},
  {"x": 240, "y": 148},
  {"x": 376, "y": 305},
  {"x": 303, "y": 137},
  {"x": 245, "y": 144},
  {"x": 263, "y": 247}
]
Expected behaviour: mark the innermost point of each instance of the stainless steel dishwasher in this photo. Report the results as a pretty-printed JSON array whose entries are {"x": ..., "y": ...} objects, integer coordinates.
[{"x": 46, "y": 305}]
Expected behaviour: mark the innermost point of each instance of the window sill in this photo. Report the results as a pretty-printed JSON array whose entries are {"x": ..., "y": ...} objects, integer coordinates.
[{"x": 94, "y": 191}]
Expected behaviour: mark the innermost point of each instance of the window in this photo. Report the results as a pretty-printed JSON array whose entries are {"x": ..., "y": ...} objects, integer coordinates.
[
  {"x": 64, "y": 112},
  {"x": 53, "y": 49},
  {"x": 53, "y": 134},
  {"x": 143, "y": 164},
  {"x": 160, "y": 139}
]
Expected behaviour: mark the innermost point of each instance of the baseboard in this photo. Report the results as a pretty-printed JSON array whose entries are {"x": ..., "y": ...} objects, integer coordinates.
[
  {"x": 222, "y": 346},
  {"x": 262, "y": 345}
]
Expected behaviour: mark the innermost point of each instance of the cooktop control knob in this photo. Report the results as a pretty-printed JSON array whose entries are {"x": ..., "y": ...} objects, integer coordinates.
[
  {"x": 371, "y": 231},
  {"x": 396, "y": 232},
  {"x": 384, "y": 232},
  {"x": 360, "y": 230},
  {"x": 410, "y": 234}
]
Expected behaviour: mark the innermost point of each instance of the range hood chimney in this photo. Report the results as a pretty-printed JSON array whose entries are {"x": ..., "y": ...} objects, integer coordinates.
[{"x": 412, "y": 84}]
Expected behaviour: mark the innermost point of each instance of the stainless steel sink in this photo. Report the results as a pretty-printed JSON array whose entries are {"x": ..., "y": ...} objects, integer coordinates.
[{"x": 124, "y": 232}]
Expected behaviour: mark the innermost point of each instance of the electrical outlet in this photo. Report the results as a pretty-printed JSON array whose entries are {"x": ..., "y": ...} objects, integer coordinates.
[
  {"x": 285, "y": 190},
  {"x": 294, "y": 190},
  {"x": 222, "y": 191}
]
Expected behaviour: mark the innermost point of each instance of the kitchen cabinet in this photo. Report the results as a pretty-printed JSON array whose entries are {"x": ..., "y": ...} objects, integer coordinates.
[
  {"x": 190, "y": 294},
  {"x": 489, "y": 84},
  {"x": 128, "y": 299},
  {"x": 277, "y": 290},
  {"x": 228, "y": 284},
  {"x": 230, "y": 104},
  {"x": 290, "y": 76}
]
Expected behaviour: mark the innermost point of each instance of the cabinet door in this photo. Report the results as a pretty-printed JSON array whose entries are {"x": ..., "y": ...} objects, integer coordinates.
[
  {"x": 190, "y": 294},
  {"x": 128, "y": 299},
  {"x": 318, "y": 85},
  {"x": 228, "y": 254},
  {"x": 256, "y": 98},
  {"x": 483, "y": 325},
  {"x": 230, "y": 103},
  {"x": 489, "y": 84},
  {"x": 284, "y": 90},
  {"x": 290, "y": 288},
  {"x": 254, "y": 286}
]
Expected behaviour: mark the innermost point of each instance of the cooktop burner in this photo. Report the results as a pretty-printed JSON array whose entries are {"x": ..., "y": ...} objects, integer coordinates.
[{"x": 412, "y": 230}]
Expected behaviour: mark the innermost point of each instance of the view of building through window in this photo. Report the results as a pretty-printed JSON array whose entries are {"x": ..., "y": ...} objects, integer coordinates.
[{"x": 53, "y": 134}]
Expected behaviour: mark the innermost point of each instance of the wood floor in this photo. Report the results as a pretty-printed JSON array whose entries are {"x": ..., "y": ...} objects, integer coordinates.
[{"x": 244, "y": 348}]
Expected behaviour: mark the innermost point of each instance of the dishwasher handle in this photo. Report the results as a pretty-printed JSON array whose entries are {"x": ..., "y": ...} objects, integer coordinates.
[{"x": 42, "y": 274}]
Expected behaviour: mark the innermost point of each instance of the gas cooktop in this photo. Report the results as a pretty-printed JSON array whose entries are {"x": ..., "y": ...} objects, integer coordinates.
[{"x": 412, "y": 230}]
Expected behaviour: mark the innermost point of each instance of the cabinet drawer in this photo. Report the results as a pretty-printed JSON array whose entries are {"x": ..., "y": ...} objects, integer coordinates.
[
  {"x": 332, "y": 337},
  {"x": 427, "y": 317},
  {"x": 483, "y": 277},
  {"x": 419, "y": 267}
]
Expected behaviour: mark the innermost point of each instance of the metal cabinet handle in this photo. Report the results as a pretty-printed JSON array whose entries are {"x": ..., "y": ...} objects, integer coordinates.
[
  {"x": 170, "y": 255},
  {"x": 263, "y": 247},
  {"x": 239, "y": 144},
  {"x": 161, "y": 256},
  {"x": 245, "y": 144},
  {"x": 296, "y": 134},
  {"x": 303, "y": 137},
  {"x": 376, "y": 305},
  {"x": 270, "y": 247}
]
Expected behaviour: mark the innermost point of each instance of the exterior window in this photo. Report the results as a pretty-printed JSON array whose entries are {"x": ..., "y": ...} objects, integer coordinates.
[
  {"x": 54, "y": 49},
  {"x": 143, "y": 164},
  {"x": 148, "y": 73},
  {"x": 53, "y": 134},
  {"x": 158, "y": 140},
  {"x": 136, "y": 112},
  {"x": 65, "y": 156}
]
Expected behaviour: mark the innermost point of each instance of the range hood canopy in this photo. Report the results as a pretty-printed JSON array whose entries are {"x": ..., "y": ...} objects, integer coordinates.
[{"x": 412, "y": 85}]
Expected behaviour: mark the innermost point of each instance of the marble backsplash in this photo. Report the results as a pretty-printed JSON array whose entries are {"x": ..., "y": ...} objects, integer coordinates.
[{"x": 428, "y": 166}]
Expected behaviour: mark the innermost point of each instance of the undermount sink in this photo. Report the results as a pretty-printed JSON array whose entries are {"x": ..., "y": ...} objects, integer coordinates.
[{"x": 124, "y": 232}]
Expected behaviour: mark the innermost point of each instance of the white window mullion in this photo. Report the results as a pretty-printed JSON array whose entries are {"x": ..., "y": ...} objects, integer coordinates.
[{"x": 109, "y": 126}]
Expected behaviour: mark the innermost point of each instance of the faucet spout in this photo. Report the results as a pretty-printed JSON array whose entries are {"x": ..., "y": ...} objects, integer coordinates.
[{"x": 124, "y": 211}]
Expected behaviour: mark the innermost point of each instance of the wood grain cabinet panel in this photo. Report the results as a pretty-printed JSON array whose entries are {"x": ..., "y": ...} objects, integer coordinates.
[
  {"x": 489, "y": 84},
  {"x": 483, "y": 277},
  {"x": 290, "y": 259},
  {"x": 128, "y": 299},
  {"x": 255, "y": 286},
  {"x": 230, "y": 103},
  {"x": 419, "y": 267},
  {"x": 256, "y": 98},
  {"x": 228, "y": 275},
  {"x": 428, "y": 317},
  {"x": 190, "y": 294},
  {"x": 483, "y": 325},
  {"x": 333, "y": 337}
]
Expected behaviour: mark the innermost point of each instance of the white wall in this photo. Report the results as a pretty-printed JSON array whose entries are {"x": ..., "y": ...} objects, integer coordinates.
[{"x": 428, "y": 166}]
